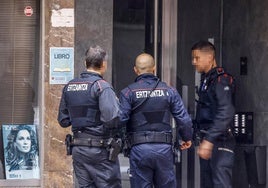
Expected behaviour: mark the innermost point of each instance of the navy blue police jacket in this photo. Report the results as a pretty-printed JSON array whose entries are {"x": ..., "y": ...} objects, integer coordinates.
[
  {"x": 89, "y": 104},
  {"x": 155, "y": 113},
  {"x": 215, "y": 108}
]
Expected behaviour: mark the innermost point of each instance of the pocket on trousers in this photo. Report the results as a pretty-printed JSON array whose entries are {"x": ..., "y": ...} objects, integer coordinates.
[{"x": 226, "y": 157}]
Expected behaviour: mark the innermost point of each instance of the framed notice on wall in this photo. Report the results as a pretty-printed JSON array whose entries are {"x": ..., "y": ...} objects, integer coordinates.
[
  {"x": 21, "y": 152},
  {"x": 61, "y": 65}
]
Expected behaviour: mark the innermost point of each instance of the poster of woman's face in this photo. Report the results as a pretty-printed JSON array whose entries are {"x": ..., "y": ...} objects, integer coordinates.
[
  {"x": 23, "y": 141},
  {"x": 21, "y": 151}
]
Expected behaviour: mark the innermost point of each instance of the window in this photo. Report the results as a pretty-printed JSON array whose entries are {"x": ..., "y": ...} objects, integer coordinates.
[{"x": 19, "y": 64}]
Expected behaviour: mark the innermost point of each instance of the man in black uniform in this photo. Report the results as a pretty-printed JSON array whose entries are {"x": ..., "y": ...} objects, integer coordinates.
[
  {"x": 147, "y": 106},
  {"x": 90, "y": 106},
  {"x": 214, "y": 118}
]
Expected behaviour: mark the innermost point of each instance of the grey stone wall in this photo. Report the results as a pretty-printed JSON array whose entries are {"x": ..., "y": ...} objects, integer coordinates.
[
  {"x": 56, "y": 166},
  {"x": 93, "y": 26},
  {"x": 245, "y": 34}
]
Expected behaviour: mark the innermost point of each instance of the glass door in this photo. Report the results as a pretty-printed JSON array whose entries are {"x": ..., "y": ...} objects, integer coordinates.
[{"x": 137, "y": 29}]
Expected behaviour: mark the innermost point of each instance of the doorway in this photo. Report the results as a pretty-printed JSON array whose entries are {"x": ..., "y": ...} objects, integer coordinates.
[{"x": 137, "y": 29}]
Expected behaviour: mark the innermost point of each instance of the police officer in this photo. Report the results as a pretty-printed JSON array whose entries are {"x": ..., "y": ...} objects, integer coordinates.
[
  {"x": 214, "y": 117},
  {"x": 90, "y": 106},
  {"x": 147, "y": 106}
]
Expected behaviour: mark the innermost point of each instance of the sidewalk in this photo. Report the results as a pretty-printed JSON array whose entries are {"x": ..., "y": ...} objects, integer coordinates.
[{"x": 124, "y": 167}]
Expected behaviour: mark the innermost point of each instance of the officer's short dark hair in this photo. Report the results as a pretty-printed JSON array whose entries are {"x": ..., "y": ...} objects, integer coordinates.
[
  {"x": 95, "y": 56},
  {"x": 204, "y": 46}
]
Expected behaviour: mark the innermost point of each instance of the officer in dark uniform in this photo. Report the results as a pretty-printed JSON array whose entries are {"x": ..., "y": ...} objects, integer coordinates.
[
  {"x": 214, "y": 118},
  {"x": 90, "y": 106},
  {"x": 147, "y": 106}
]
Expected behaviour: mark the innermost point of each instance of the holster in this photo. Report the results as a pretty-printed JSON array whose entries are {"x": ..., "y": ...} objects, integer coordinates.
[
  {"x": 126, "y": 147},
  {"x": 114, "y": 148},
  {"x": 197, "y": 135},
  {"x": 176, "y": 154},
  {"x": 68, "y": 143}
]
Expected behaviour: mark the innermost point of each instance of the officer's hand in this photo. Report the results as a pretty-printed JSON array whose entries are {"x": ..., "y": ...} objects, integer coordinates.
[
  {"x": 205, "y": 150},
  {"x": 185, "y": 145}
]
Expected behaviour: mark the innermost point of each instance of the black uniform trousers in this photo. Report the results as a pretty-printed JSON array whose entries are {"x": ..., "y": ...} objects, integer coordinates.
[
  {"x": 217, "y": 171},
  {"x": 93, "y": 169}
]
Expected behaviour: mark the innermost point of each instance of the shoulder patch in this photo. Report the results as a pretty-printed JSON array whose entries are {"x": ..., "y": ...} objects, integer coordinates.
[
  {"x": 225, "y": 77},
  {"x": 102, "y": 84},
  {"x": 220, "y": 70}
]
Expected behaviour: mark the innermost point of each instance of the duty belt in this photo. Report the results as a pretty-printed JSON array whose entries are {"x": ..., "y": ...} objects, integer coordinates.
[
  {"x": 90, "y": 142},
  {"x": 84, "y": 139},
  {"x": 150, "y": 137}
]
